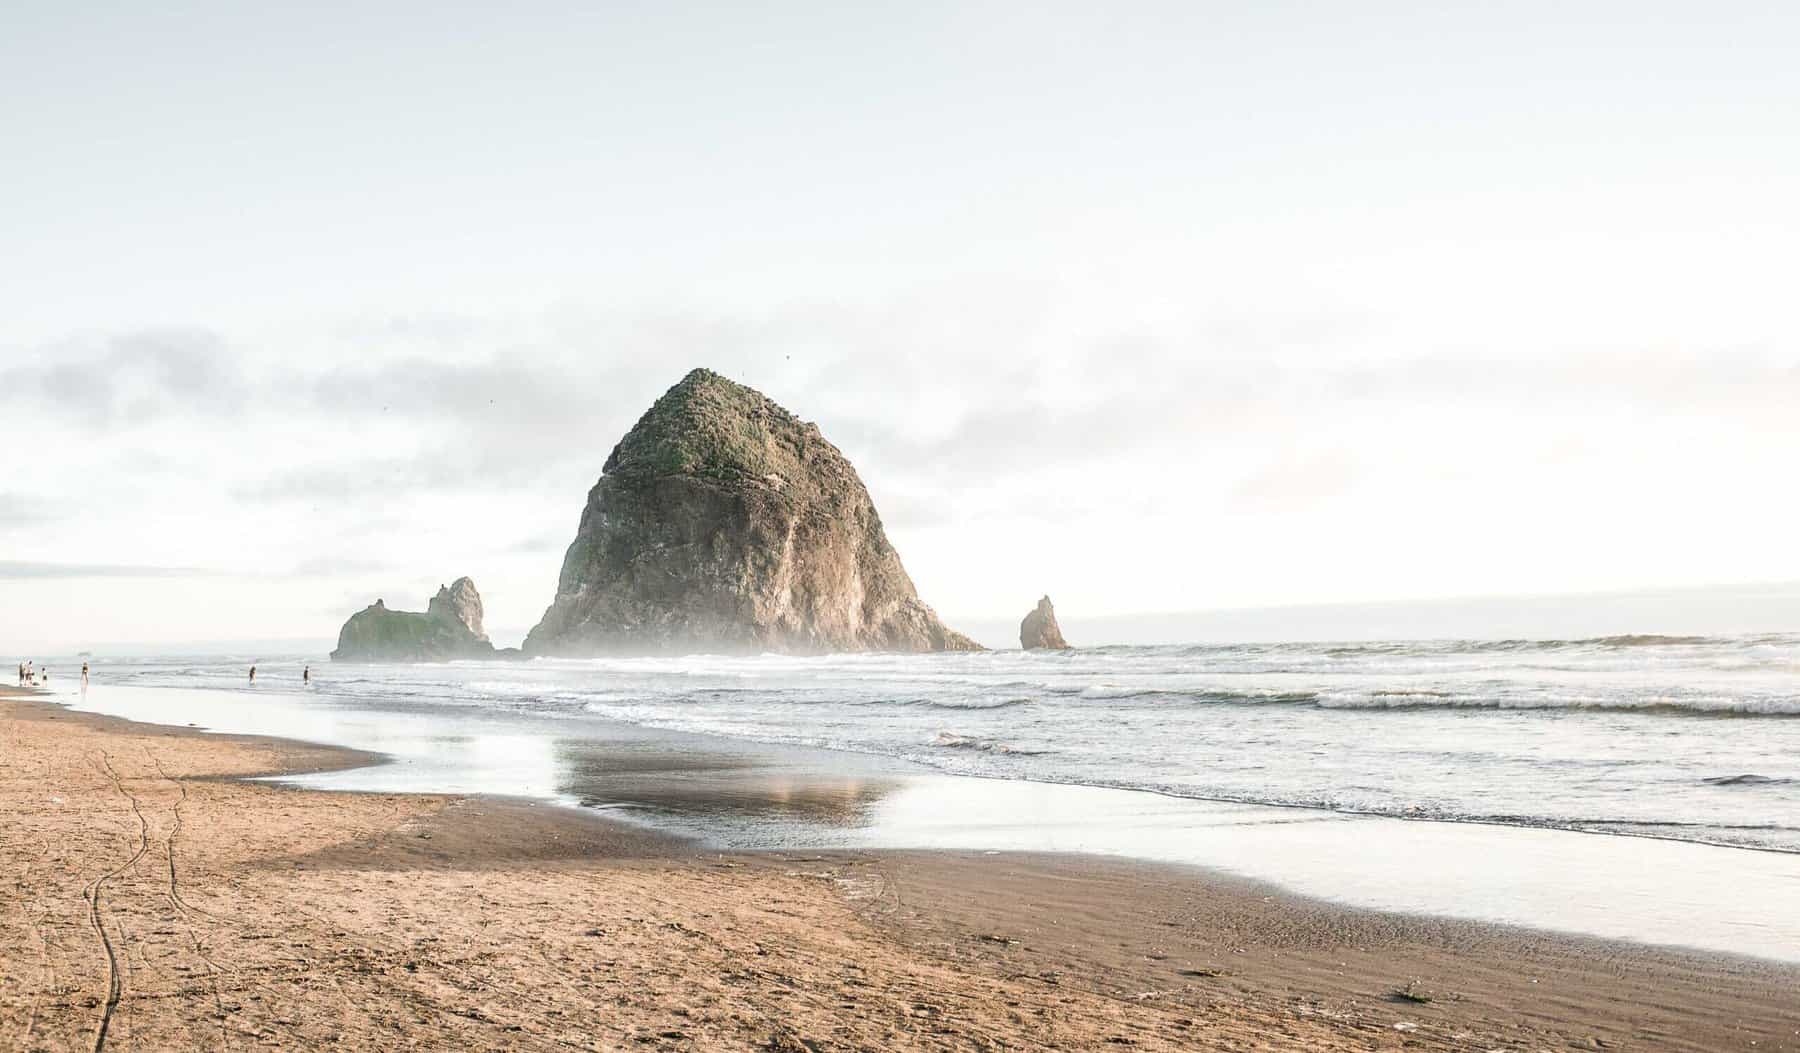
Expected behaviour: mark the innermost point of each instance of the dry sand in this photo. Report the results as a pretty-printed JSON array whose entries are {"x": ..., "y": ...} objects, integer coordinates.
[{"x": 156, "y": 902}]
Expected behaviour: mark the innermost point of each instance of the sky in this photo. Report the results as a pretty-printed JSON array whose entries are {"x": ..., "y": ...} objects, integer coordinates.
[{"x": 1153, "y": 307}]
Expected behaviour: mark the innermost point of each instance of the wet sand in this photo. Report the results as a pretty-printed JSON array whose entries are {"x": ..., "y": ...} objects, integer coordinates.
[{"x": 157, "y": 902}]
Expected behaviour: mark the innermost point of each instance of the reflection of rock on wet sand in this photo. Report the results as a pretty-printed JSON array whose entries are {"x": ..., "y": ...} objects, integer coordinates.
[{"x": 720, "y": 784}]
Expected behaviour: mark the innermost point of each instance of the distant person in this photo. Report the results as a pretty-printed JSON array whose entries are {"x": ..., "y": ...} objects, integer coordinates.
[
  {"x": 306, "y": 675},
  {"x": 253, "y": 674},
  {"x": 84, "y": 672}
]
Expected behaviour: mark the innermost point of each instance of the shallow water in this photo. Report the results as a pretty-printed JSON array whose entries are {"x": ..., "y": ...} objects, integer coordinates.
[{"x": 737, "y": 793}]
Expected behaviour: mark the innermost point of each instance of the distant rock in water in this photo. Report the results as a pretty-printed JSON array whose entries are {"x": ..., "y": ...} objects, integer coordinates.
[
  {"x": 449, "y": 628},
  {"x": 723, "y": 523},
  {"x": 1039, "y": 631}
]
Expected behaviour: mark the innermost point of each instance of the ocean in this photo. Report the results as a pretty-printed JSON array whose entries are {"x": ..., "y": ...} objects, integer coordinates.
[{"x": 1685, "y": 738}]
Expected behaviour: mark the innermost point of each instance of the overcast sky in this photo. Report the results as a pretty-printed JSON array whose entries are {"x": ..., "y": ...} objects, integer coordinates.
[{"x": 1152, "y": 307}]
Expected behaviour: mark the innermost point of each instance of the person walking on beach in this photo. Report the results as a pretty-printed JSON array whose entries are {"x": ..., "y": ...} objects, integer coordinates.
[
  {"x": 253, "y": 674},
  {"x": 306, "y": 675},
  {"x": 84, "y": 672}
]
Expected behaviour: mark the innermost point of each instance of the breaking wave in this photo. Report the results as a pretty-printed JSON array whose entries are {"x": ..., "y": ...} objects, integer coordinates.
[{"x": 1628, "y": 640}]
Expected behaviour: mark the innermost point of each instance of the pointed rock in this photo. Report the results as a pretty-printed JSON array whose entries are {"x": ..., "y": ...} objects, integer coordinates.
[
  {"x": 1039, "y": 630},
  {"x": 459, "y": 602},
  {"x": 723, "y": 523}
]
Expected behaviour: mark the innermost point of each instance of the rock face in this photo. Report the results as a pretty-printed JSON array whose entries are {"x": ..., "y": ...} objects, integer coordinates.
[
  {"x": 1039, "y": 630},
  {"x": 459, "y": 602},
  {"x": 723, "y": 523},
  {"x": 449, "y": 628}
]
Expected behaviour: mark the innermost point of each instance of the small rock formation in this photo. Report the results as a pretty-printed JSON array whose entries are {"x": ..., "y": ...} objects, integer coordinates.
[
  {"x": 449, "y": 628},
  {"x": 723, "y": 523},
  {"x": 1039, "y": 630}
]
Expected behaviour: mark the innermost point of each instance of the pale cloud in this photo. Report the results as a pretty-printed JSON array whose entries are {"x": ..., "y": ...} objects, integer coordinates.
[
  {"x": 18, "y": 510},
  {"x": 15, "y": 570},
  {"x": 543, "y": 543},
  {"x": 1297, "y": 482},
  {"x": 131, "y": 377},
  {"x": 337, "y": 566},
  {"x": 443, "y": 470}
]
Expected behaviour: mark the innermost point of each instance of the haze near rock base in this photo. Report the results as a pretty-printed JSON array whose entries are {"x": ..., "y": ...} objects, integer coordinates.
[{"x": 723, "y": 523}]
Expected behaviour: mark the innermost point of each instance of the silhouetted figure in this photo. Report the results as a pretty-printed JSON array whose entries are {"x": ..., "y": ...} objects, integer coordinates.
[
  {"x": 253, "y": 674},
  {"x": 306, "y": 675}
]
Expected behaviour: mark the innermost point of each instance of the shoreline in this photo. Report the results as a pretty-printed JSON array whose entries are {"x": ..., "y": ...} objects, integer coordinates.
[
  {"x": 1662, "y": 830},
  {"x": 302, "y": 757},
  {"x": 739, "y": 794},
  {"x": 1140, "y": 944}
]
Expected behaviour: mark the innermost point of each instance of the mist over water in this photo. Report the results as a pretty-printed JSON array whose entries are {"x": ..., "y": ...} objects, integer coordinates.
[{"x": 1691, "y": 738}]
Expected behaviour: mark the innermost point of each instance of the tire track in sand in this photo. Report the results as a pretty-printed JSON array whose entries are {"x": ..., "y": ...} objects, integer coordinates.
[{"x": 115, "y": 987}]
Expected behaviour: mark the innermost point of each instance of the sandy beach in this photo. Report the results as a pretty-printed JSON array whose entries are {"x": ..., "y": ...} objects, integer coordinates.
[{"x": 160, "y": 902}]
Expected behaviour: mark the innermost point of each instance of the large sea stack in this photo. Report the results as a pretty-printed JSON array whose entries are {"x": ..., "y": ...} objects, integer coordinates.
[
  {"x": 723, "y": 523},
  {"x": 449, "y": 628}
]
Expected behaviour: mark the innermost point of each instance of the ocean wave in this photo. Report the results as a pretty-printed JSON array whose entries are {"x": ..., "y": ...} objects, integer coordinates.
[
  {"x": 1109, "y": 691},
  {"x": 950, "y": 740},
  {"x": 1420, "y": 648},
  {"x": 1747, "y": 779},
  {"x": 1125, "y": 693},
  {"x": 969, "y": 703},
  {"x": 1627, "y": 640},
  {"x": 1696, "y": 705}
]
